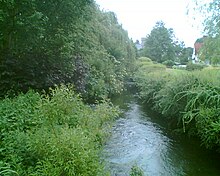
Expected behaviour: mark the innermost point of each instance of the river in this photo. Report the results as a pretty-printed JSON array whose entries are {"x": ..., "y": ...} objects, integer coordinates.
[{"x": 142, "y": 138}]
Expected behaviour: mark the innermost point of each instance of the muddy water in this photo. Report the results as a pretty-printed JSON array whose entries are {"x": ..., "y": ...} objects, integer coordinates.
[{"x": 142, "y": 138}]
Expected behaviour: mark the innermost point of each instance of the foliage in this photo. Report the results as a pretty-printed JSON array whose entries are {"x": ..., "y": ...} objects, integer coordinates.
[
  {"x": 53, "y": 134},
  {"x": 159, "y": 44},
  {"x": 146, "y": 65},
  {"x": 110, "y": 61},
  {"x": 168, "y": 63},
  {"x": 210, "y": 50},
  {"x": 148, "y": 78},
  {"x": 191, "y": 66},
  {"x": 184, "y": 54},
  {"x": 189, "y": 100},
  {"x": 32, "y": 42},
  {"x": 136, "y": 171},
  {"x": 152, "y": 83},
  {"x": 207, "y": 123},
  {"x": 43, "y": 43},
  {"x": 210, "y": 11}
]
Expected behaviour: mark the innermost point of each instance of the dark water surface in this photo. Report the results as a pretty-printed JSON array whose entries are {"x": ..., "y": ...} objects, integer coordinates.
[{"x": 142, "y": 138}]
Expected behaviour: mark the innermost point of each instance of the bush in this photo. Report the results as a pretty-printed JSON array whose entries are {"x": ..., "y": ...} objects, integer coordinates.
[
  {"x": 53, "y": 134},
  {"x": 192, "y": 67},
  {"x": 147, "y": 65},
  {"x": 151, "y": 83},
  {"x": 150, "y": 78},
  {"x": 168, "y": 63},
  {"x": 144, "y": 59}
]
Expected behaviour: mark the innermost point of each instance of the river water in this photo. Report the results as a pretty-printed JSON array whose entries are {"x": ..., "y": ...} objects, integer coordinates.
[{"x": 143, "y": 139}]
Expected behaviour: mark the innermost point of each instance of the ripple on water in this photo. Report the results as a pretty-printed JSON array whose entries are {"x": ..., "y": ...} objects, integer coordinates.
[{"x": 137, "y": 141}]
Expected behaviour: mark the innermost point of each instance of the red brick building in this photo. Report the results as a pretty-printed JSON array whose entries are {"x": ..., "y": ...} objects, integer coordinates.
[{"x": 197, "y": 46}]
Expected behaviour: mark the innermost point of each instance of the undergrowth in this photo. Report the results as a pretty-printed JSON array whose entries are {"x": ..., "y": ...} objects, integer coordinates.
[
  {"x": 53, "y": 134},
  {"x": 190, "y": 100}
]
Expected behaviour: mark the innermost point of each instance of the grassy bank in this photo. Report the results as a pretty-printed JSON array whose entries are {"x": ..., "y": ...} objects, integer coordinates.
[
  {"x": 189, "y": 100},
  {"x": 55, "y": 134}
]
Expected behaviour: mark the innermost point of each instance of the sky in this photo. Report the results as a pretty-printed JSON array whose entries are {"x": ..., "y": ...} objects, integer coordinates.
[{"x": 139, "y": 17}]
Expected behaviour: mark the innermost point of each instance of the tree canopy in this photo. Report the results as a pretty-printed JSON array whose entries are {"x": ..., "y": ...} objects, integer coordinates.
[
  {"x": 43, "y": 43},
  {"x": 159, "y": 45},
  {"x": 162, "y": 46}
]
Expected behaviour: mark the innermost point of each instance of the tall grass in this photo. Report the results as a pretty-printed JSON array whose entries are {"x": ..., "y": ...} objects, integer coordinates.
[
  {"x": 191, "y": 100},
  {"x": 55, "y": 134}
]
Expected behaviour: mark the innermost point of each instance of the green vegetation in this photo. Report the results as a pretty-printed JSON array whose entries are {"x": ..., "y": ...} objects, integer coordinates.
[
  {"x": 210, "y": 10},
  {"x": 136, "y": 171},
  {"x": 43, "y": 43},
  {"x": 191, "y": 66},
  {"x": 47, "y": 45},
  {"x": 159, "y": 44},
  {"x": 162, "y": 46},
  {"x": 189, "y": 100},
  {"x": 53, "y": 134}
]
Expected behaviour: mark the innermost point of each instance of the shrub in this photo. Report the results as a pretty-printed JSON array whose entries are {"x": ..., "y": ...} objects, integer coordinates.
[
  {"x": 144, "y": 59},
  {"x": 53, "y": 134},
  {"x": 144, "y": 64},
  {"x": 168, "y": 63},
  {"x": 151, "y": 83},
  {"x": 191, "y": 66}
]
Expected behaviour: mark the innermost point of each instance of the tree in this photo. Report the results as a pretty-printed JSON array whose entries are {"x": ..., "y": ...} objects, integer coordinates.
[
  {"x": 183, "y": 54},
  {"x": 43, "y": 43},
  {"x": 159, "y": 44},
  {"x": 186, "y": 55},
  {"x": 33, "y": 41},
  {"x": 210, "y": 51}
]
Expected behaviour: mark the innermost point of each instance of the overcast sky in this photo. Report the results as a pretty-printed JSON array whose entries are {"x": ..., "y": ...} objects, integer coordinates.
[{"x": 139, "y": 16}]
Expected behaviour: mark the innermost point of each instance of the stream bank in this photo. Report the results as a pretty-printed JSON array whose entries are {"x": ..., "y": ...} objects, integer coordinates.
[{"x": 142, "y": 138}]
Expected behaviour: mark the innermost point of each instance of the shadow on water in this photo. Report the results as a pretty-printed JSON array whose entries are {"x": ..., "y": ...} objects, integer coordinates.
[{"x": 142, "y": 138}]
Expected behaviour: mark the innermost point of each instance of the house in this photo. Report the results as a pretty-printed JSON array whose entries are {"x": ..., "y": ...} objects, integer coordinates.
[
  {"x": 197, "y": 46},
  {"x": 140, "y": 45}
]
